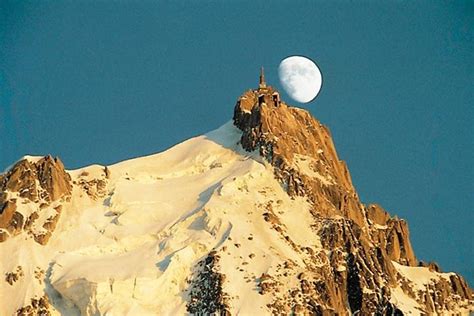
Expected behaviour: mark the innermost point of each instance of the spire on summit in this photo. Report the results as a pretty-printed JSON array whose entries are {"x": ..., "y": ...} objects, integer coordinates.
[{"x": 262, "y": 83}]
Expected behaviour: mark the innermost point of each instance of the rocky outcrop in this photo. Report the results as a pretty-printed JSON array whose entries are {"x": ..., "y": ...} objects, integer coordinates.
[
  {"x": 390, "y": 234},
  {"x": 356, "y": 273},
  {"x": 349, "y": 275},
  {"x": 44, "y": 179},
  {"x": 94, "y": 188},
  {"x": 42, "y": 182},
  {"x": 7, "y": 213},
  {"x": 37, "y": 307},
  {"x": 206, "y": 294},
  {"x": 12, "y": 277}
]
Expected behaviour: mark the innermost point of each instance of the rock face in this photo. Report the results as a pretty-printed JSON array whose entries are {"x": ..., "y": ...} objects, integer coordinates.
[
  {"x": 206, "y": 294},
  {"x": 362, "y": 243},
  {"x": 39, "y": 183}
]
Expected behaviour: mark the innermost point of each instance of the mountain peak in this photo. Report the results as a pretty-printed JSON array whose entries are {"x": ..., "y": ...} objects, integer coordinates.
[
  {"x": 257, "y": 217},
  {"x": 293, "y": 141},
  {"x": 306, "y": 163}
]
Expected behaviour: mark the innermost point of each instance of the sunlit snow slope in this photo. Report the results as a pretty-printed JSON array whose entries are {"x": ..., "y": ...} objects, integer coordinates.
[{"x": 134, "y": 250}]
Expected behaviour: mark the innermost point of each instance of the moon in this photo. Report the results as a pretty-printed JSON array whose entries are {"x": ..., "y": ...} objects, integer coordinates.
[{"x": 300, "y": 77}]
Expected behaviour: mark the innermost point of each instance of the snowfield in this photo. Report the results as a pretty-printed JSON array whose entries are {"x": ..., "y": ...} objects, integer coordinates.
[
  {"x": 133, "y": 245},
  {"x": 133, "y": 251}
]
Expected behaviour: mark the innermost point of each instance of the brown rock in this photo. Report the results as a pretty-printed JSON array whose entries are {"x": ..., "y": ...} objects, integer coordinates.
[
  {"x": 50, "y": 173},
  {"x": 377, "y": 215},
  {"x": 21, "y": 179},
  {"x": 42, "y": 238},
  {"x": 6, "y": 213},
  {"x": 38, "y": 306},
  {"x": 51, "y": 222},
  {"x": 3, "y": 235},
  {"x": 31, "y": 219},
  {"x": 12, "y": 277},
  {"x": 432, "y": 266},
  {"x": 54, "y": 183},
  {"x": 398, "y": 243},
  {"x": 53, "y": 178},
  {"x": 16, "y": 223},
  {"x": 460, "y": 287},
  {"x": 3, "y": 198}
]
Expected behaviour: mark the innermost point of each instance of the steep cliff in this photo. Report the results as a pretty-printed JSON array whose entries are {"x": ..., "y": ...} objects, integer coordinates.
[{"x": 365, "y": 250}]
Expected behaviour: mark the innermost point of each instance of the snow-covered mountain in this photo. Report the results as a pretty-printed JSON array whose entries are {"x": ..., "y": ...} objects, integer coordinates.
[{"x": 257, "y": 217}]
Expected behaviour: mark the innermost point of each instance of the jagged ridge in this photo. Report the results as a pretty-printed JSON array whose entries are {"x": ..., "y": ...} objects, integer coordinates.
[{"x": 366, "y": 239}]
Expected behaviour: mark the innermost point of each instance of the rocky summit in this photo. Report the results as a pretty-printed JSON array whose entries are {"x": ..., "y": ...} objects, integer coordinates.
[{"x": 258, "y": 217}]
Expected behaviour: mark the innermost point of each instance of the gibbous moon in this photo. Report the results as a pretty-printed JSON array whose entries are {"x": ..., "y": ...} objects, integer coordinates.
[{"x": 300, "y": 77}]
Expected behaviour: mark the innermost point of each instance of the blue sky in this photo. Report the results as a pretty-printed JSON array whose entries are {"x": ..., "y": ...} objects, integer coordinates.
[{"x": 100, "y": 82}]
